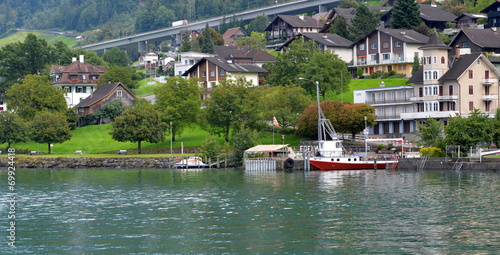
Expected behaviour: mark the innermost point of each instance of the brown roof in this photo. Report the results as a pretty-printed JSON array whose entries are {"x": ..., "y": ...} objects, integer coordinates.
[
  {"x": 433, "y": 12},
  {"x": 230, "y": 32},
  {"x": 76, "y": 68},
  {"x": 231, "y": 52},
  {"x": 229, "y": 67},
  {"x": 296, "y": 21},
  {"x": 100, "y": 93}
]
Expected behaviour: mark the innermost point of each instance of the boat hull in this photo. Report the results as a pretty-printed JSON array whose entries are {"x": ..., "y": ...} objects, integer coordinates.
[
  {"x": 347, "y": 165},
  {"x": 181, "y": 166}
]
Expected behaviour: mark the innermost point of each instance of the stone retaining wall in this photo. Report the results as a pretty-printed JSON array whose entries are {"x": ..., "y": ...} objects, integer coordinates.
[
  {"x": 448, "y": 164},
  {"x": 91, "y": 162}
]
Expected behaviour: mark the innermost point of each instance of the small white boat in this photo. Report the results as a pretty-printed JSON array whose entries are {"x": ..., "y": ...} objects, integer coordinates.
[{"x": 191, "y": 162}]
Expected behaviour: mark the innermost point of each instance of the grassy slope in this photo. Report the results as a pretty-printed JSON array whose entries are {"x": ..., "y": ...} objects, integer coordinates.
[
  {"x": 364, "y": 84},
  {"x": 51, "y": 39}
]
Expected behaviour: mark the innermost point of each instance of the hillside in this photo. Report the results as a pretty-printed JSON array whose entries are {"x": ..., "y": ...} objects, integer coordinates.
[{"x": 51, "y": 39}]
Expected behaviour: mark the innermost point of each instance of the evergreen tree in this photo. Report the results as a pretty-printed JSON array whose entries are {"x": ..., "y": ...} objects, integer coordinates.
[
  {"x": 186, "y": 42},
  {"x": 341, "y": 28},
  {"x": 416, "y": 65},
  {"x": 207, "y": 45},
  {"x": 364, "y": 22},
  {"x": 405, "y": 14}
]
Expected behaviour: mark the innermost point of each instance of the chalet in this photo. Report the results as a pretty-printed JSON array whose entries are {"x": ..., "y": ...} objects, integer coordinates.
[
  {"x": 186, "y": 60},
  {"x": 78, "y": 79},
  {"x": 284, "y": 27},
  {"x": 385, "y": 50},
  {"x": 233, "y": 34},
  {"x": 325, "y": 42},
  {"x": 348, "y": 14},
  {"x": 477, "y": 41},
  {"x": 493, "y": 12},
  {"x": 149, "y": 59},
  {"x": 469, "y": 20},
  {"x": 212, "y": 70},
  {"x": 104, "y": 94},
  {"x": 433, "y": 15}
]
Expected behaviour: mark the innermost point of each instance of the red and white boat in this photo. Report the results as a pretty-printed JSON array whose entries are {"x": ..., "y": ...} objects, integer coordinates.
[{"x": 331, "y": 155}]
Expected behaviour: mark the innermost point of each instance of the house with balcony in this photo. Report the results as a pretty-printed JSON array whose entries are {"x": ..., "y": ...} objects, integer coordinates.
[
  {"x": 186, "y": 60},
  {"x": 477, "y": 41},
  {"x": 493, "y": 13},
  {"x": 284, "y": 27},
  {"x": 389, "y": 104},
  {"x": 325, "y": 42},
  {"x": 446, "y": 87},
  {"x": 469, "y": 20},
  {"x": 244, "y": 55},
  {"x": 385, "y": 50},
  {"x": 211, "y": 70},
  {"x": 433, "y": 15},
  {"x": 78, "y": 79}
]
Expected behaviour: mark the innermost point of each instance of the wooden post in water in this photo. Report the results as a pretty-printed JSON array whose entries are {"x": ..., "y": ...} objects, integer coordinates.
[
  {"x": 218, "y": 162},
  {"x": 375, "y": 164}
]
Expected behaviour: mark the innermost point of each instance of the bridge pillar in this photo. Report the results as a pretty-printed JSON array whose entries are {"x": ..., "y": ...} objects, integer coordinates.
[
  {"x": 322, "y": 8},
  {"x": 141, "y": 46}
]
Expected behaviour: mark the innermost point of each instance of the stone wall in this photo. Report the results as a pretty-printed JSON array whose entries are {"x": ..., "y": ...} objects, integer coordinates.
[
  {"x": 91, "y": 162},
  {"x": 448, "y": 164}
]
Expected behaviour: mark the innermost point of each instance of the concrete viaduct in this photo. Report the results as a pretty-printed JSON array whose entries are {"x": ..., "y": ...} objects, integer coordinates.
[{"x": 138, "y": 41}]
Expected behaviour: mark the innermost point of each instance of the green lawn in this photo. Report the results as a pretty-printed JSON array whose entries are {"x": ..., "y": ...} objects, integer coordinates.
[
  {"x": 96, "y": 139},
  {"x": 145, "y": 89},
  {"x": 51, "y": 39}
]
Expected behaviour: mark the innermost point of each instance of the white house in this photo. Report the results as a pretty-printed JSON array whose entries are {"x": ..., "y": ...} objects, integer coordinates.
[{"x": 186, "y": 60}]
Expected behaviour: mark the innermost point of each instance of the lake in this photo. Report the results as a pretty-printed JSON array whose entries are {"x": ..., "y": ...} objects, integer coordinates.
[{"x": 230, "y": 211}]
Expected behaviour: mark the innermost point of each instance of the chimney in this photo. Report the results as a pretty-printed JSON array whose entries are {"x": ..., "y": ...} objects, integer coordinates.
[
  {"x": 494, "y": 29},
  {"x": 382, "y": 84},
  {"x": 81, "y": 59},
  {"x": 73, "y": 59},
  {"x": 457, "y": 51},
  {"x": 301, "y": 17}
]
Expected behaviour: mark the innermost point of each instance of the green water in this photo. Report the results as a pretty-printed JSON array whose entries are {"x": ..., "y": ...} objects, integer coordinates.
[{"x": 236, "y": 212}]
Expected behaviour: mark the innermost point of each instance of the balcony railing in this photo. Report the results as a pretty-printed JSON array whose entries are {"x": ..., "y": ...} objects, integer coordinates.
[
  {"x": 448, "y": 97},
  {"x": 425, "y": 115},
  {"x": 388, "y": 117},
  {"x": 490, "y": 97},
  {"x": 381, "y": 62},
  {"x": 434, "y": 98},
  {"x": 388, "y": 101},
  {"x": 488, "y": 81}
]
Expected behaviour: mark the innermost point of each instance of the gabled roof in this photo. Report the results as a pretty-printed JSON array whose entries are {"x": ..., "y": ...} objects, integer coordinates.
[
  {"x": 230, "y": 32},
  {"x": 76, "y": 68},
  {"x": 459, "y": 66},
  {"x": 433, "y": 12},
  {"x": 417, "y": 77},
  {"x": 484, "y": 38},
  {"x": 327, "y": 39},
  {"x": 405, "y": 35},
  {"x": 228, "y": 67},
  {"x": 100, "y": 93},
  {"x": 348, "y": 14},
  {"x": 230, "y": 52},
  {"x": 472, "y": 16},
  {"x": 296, "y": 21},
  {"x": 435, "y": 42},
  {"x": 491, "y": 7}
]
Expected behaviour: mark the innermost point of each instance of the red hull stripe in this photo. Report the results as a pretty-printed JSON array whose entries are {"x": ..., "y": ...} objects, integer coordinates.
[{"x": 327, "y": 165}]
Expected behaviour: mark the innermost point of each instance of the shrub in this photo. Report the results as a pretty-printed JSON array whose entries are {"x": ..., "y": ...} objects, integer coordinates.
[{"x": 431, "y": 152}]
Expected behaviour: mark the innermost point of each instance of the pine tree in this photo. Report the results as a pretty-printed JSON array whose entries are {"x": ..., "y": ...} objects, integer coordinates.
[
  {"x": 364, "y": 22},
  {"x": 341, "y": 28},
  {"x": 405, "y": 14},
  {"x": 207, "y": 45}
]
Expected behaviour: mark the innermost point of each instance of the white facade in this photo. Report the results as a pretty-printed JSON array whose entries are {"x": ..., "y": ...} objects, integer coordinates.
[
  {"x": 186, "y": 60},
  {"x": 76, "y": 93}
]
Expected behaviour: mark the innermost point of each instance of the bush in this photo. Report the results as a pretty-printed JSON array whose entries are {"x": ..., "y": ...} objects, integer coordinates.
[
  {"x": 432, "y": 152},
  {"x": 210, "y": 149},
  {"x": 376, "y": 75}
]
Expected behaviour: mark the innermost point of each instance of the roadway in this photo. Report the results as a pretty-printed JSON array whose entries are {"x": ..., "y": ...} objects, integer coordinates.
[{"x": 139, "y": 40}]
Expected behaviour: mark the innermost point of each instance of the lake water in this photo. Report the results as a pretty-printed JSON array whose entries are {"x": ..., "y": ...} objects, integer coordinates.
[{"x": 231, "y": 211}]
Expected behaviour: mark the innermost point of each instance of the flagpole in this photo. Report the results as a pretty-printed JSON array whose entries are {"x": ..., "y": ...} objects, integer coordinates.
[{"x": 273, "y": 134}]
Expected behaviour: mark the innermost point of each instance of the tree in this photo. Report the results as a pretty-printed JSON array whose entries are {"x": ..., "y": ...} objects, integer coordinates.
[
  {"x": 430, "y": 133},
  {"x": 364, "y": 22},
  {"x": 111, "y": 110},
  {"x": 244, "y": 139},
  {"x": 142, "y": 122},
  {"x": 49, "y": 127},
  {"x": 179, "y": 102},
  {"x": 469, "y": 132},
  {"x": 125, "y": 75},
  {"x": 341, "y": 28},
  {"x": 208, "y": 39},
  {"x": 258, "y": 24},
  {"x": 13, "y": 129},
  {"x": 416, "y": 65},
  {"x": 348, "y": 4},
  {"x": 186, "y": 42},
  {"x": 496, "y": 129},
  {"x": 210, "y": 149},
  {"x": 344, "y": 116},
  {"x": 231, "y": 102},
  {"x": 405, "y": 14},
  {"x": 116, "y": 57},
  {"x": 285, "y": 103},
  {"x": 255, "y": 41},
  {"x": 33, "y": 95}
]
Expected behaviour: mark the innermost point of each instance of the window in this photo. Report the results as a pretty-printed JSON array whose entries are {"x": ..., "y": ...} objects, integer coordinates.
[
  {"x": 435, "y": 75},
  {"x": 119, "y": 93},
  {"x": 386, "y": 56},
  {"x": 471, "y": 74},
  {"x": 195, "y": 75},
  {"x": 471, "y": 90},
  {"x": 442, "y": 60},
  {"x": 487, "y": 74},
  {"x": 79, "y": 90},
  {"x": 435, "y": 90},
  {"x": 435, "y": 60},
  {"x": 362, "y": 46},
  {"x": 84, "y": 77},
  {"x": 203, "y": 74},
  {"x": 478, "y": 62},
  {"x": 471, "y": 106},
  {"x": 465, "y": 44},
  {"x": 374, "y": 46},
  {"x": 212, "y": 73},
  {"x": 450, "y": 90},
  {"x": 436, "y": 107},
  {"x": 398, "y": 44},
  {"x": 222, "y": 72}
]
